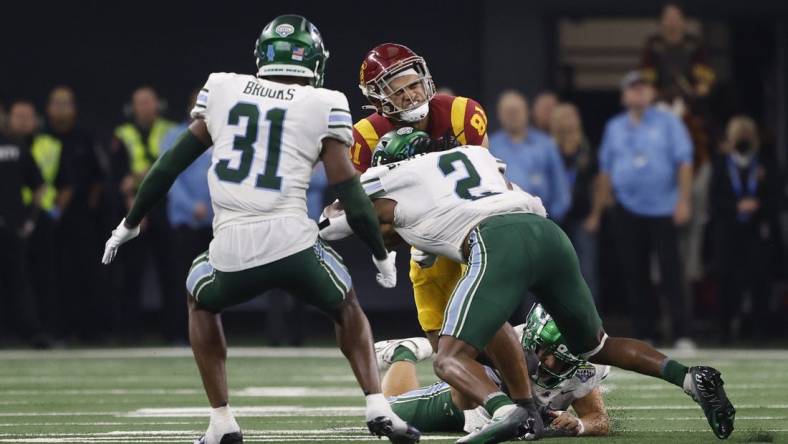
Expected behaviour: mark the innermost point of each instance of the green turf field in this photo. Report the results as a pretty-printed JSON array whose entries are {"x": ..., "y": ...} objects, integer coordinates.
[{"x": 308, "y": 395}]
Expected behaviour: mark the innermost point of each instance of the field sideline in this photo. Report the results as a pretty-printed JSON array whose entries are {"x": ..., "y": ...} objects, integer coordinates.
[{"x": 153, "y": 395}]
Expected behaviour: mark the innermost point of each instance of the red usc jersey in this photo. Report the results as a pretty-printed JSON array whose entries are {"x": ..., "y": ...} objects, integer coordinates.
[{"x": 464, "y": 117}]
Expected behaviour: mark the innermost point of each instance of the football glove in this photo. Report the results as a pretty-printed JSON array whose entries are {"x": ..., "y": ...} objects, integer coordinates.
[
  {"x": 120, "y": 235},
  {"x": 387, "y": 278},
  {"x": 423, "y": 259}
]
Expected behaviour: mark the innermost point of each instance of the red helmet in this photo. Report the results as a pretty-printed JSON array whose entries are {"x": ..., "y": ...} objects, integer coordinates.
[{"x": 386, "y": 62}]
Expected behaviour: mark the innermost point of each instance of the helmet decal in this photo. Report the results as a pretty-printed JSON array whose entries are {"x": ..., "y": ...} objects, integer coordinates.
[
  {"x": 361, "y": 72},
  {"x": 285, "y": 29}
]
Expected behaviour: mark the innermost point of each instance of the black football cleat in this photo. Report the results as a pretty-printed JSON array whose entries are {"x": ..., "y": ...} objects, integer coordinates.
[
  {"x": 707, "y": 391},
  {"x": 227, "y": 438},
  {"x": 515, "y": 425},
  {"x": 382, "y": 426}
]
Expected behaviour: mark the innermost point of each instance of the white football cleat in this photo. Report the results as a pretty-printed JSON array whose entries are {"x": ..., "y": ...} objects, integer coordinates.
[{"x": 384, "y": 350}]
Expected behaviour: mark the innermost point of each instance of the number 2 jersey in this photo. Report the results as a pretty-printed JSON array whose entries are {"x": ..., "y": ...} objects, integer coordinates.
[
  {"x": 441, "y": 196},
  {"x": 267, "y": 138}
]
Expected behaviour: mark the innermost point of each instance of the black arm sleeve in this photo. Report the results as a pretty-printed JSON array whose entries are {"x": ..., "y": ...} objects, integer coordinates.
[
  {"x": 162, "y": 174},
  {"x": 361, "y": 215}
]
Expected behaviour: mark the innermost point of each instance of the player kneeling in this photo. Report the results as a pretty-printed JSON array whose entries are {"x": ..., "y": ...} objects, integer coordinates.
[{"x": 562, "y": 380}]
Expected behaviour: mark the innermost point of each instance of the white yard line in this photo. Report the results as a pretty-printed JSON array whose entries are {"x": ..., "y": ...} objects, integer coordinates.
[
  {"x": 249, "y": 392},
  {"x": 170, "y": 352}
]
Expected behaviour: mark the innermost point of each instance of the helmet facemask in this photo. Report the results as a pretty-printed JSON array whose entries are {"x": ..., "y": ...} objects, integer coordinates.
[
  {"x": 564, "y": 365},
  {"x": 542, "y": 337},
  {"x": 381, "y": 92}
]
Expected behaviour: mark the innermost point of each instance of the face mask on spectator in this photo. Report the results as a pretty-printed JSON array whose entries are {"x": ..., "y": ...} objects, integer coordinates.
[{"x": 743, "y": 146}]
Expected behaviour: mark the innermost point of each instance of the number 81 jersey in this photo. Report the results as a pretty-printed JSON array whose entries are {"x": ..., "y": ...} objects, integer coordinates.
[
  {"x": 267, "y": 138},
  {"x": 441, "y": 196}
]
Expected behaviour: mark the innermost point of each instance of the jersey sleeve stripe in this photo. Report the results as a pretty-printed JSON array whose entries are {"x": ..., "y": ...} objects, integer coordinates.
[
  {"x": 338, "y": 125},
  {"x": 339, "y": 110},
  {"x": 458, "y": 118},
  {"x": 367, "y": 131},
  {"x": 340, "y": 118},
  {"x": 372, "y": 187}
]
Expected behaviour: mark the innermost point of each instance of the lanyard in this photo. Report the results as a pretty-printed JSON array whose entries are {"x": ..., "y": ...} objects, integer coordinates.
[
  {"x": 752, "y": 177},
  {"x": 752, "y": 182}
]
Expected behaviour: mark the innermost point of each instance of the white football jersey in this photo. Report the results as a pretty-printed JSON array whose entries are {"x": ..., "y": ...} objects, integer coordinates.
[
  {"x": 587, "y": 378},
  {"x": 267, "y": 138},
  {"x": 441, "y": 196}
]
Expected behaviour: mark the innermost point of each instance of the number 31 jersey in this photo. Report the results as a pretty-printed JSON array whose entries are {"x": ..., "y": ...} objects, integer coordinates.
[
  {"x": 441, "y": 196},
  {"x": 267, "y": 138}
]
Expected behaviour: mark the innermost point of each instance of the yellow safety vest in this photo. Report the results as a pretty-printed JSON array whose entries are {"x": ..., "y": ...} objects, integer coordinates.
[
  {"x": 46, "y": 151},
  {"x": 141, "y": 154}
]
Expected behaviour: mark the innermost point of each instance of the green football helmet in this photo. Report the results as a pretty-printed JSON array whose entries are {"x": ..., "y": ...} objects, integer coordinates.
[
  {"x": 400, "y": 144},
  {"x": 541, "y": 334},
  {"x": 291, "y": 46}
]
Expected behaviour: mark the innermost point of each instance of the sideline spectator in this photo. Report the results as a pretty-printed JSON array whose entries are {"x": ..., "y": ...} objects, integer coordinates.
[
  {"x": 135, "y": 146},
  {"x": 582, "y": 220},
  {"x": 675, "y": 61},
  {"x": 544, "y": 105},
  {"x": 79, "y": 308},
  {"x": 190, "y": 215},
  {"x": 54, "y": 199},
  {"x": 22, "y": 123},
  {"x": 646, "y": 158},
  {"x": 743, "y": 197},
  {"x": 532, "y": 159},
  {"x": 18, "y": 170}
]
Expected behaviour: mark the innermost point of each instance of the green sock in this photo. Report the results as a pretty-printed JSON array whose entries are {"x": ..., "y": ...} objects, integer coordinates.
[
  {"x": 496, "y": 401},
  {"x": 673, "y": 372},
  {"x": 403, "y": 353}
]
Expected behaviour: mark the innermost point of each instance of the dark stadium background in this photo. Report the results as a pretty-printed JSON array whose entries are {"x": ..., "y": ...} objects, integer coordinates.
[{"x": 106, "y": 49}]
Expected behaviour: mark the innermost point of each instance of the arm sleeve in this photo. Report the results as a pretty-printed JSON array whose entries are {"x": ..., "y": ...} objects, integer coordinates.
[
  {"x": 361, "y": 215},
  {"x": 681, "y": 141},
  {"x": 475, "y": 123},
  {"x": 162, "y": 174}
]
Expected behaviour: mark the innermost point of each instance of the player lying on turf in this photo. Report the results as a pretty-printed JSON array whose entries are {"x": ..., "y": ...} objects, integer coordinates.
[
  {"x": 267, "y": 132},
  {"x": 456, "y": 203},
  {"x": 561, "y": 380}
]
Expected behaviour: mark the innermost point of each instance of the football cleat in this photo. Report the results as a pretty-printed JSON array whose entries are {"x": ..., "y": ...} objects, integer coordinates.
[
  {"x": 382, "y": 426},
  {"x": 706, "y": 389},
  {"x": 384, "y": 350},
  {"x": 227, "y": 438},
  {"x": 517, "y": 424}
]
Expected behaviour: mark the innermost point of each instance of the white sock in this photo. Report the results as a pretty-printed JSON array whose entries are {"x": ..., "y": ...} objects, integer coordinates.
[
  {"x": 222, "y": 423},
  {"x": 378, "y": 406}
]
